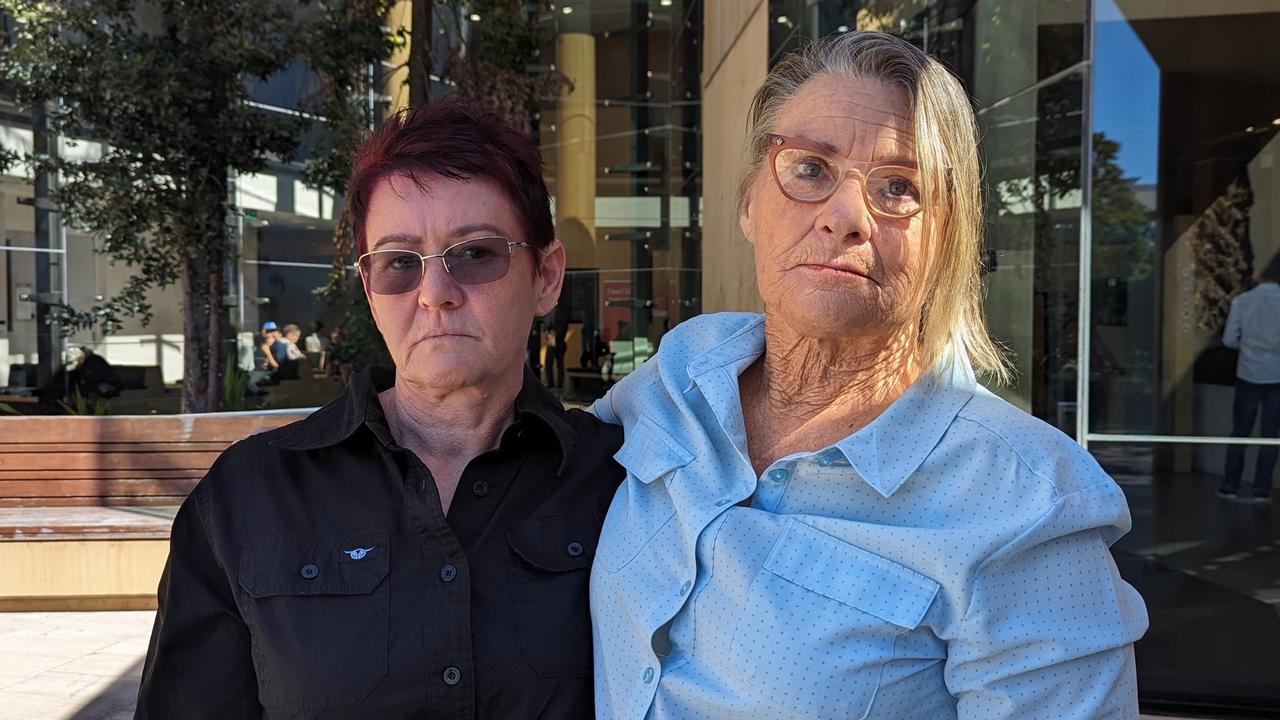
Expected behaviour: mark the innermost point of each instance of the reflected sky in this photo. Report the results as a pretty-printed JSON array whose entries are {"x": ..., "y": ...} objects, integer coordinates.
[{"x": 1126, "y": 93}]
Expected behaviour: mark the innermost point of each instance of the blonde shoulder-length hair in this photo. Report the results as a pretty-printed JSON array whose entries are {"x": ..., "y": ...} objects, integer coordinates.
[{"x": 952, "y": 323}]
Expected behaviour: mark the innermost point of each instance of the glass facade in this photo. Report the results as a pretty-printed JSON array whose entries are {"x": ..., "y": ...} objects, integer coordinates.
[
  {"x": 622, "y": 154},
  {"x": 1130, "y": 160},
  {"x": 1129, "y": 153},
  {"x": 621, "y": 147}
]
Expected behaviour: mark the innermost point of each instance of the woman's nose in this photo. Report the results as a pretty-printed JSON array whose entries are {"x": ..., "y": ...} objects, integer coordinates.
[
  {"x": 438, "y": 289},
  {"x": 845, "y": 214}
]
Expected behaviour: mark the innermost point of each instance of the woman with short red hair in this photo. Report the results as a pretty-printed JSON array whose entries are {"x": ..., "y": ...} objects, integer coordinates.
[{"x": 420, "y": 546}]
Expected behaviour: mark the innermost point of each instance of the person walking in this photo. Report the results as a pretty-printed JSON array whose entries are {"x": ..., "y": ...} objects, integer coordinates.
[{"x": 1253, "y": 328}]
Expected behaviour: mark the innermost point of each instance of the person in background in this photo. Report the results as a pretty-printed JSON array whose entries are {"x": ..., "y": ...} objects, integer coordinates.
[
  {"x": 420, "y": 547},
  {"x": 315, "y": 342},
  {"x": 558, "y": 348},
  {"x": 826, "y": 515},
  {"x": 291, "y": 334},
  {"x": 267, "y": 342},
  {"x": 1253, "y": 328},
  {"x": 533, "y": 348},
  {"x": 84, "y": 372}
]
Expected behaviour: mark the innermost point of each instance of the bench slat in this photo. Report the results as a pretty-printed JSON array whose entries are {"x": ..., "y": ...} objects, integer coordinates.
[
  {"x": 85, "y": 461},
  {"x": 100, "y": 473},
  {"x": 178, "y": 428},
  {"x": 121, "y": 501},
  {"x": 140, "y": 487},
  {"x": 157, "y": 447}
]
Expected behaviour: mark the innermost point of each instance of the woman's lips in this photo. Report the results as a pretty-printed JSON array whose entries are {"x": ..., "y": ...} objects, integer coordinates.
[{"x": 834, "y": 270}]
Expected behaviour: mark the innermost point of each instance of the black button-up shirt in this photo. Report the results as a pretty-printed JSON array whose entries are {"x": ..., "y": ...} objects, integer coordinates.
[{"x": 312, "y": 573}]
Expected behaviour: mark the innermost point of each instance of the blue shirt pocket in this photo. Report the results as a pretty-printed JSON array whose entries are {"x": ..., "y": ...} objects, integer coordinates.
[
  {"x": 642, "y": 506},
  {"x": 820, "y": 621}
]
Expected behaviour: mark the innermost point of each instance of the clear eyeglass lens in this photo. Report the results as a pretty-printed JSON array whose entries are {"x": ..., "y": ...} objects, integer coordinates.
[{"x": 809, "y": 177}]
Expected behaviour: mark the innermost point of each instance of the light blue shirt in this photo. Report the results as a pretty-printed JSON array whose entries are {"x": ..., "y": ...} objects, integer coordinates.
[
  {"x": 1253, "y": 327},
  {"x": 948, "y": 560}
]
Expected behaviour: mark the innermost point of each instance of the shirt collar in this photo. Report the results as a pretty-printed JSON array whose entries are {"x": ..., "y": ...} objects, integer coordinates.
[
  {"x": 358, "y": 405},
  {"x": 884, "y": 452}
]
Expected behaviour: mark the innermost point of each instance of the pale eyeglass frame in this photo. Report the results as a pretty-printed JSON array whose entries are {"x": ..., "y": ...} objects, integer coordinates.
[
  {"x": 778, "y": 143},
  {"x": 444, "y": 260}
]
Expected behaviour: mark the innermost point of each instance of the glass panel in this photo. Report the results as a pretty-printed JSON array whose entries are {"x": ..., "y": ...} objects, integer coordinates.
[
  {"x": 1186, "y": 209},
  {"x": 622, "y": 155},
  {"x": 1206, "y": 568},
  {"x": 1184, "y": 220},
  {"x": 1022, "y": 62}
]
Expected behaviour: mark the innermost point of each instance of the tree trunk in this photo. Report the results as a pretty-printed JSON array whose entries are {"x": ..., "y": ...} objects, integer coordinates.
[
  {"x": 420, "y": 43},
  {"x": 202, "y": 307}
]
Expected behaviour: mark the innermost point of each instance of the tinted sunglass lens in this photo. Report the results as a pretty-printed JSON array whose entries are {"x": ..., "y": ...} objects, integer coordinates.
[
  {"x": 392, "y": 273},
  {"x": 479, "y": 261}
]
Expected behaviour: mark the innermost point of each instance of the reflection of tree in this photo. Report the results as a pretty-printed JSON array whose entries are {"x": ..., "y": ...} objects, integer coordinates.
[
  {"x": 1123, "y": 227},
  {"x": 1221, "y": 254}
]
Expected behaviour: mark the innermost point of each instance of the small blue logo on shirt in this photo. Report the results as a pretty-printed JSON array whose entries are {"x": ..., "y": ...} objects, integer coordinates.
[{"x": 358, "y": 553}]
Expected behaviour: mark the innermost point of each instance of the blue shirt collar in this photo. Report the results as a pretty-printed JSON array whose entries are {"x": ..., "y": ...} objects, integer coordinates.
[{"x": 881, "y": 452}]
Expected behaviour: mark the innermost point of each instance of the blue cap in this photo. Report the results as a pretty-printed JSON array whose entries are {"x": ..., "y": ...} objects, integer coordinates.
[{"x": 269, "y": 325}]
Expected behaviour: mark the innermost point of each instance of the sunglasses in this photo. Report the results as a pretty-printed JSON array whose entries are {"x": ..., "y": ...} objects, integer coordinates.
[
  {"x": 470, "y": 262},
  {"x": 807, "y": 173}
]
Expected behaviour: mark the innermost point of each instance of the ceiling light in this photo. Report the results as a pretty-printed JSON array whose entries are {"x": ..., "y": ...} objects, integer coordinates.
[
  {"x": 475, "y": 17},
  {"x": 784, "y": 20},
  {"x": 664, "y": 3},
  {"x": 843, "y": 28},
  {"x": 566, "y": 10},
  {"x": 1276, "y": 121}
]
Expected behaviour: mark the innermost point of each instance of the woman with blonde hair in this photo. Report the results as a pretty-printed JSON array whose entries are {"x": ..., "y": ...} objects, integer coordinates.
[{"x": 825, "y": 515}]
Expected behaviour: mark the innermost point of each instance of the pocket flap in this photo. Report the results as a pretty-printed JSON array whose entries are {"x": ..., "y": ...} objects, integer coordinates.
[
  {"x": 848, "y": 574},
  {"x": 291, "y": 565},
  {"x": 648, "y": 452},
  {"x": 556, "y": 543}
]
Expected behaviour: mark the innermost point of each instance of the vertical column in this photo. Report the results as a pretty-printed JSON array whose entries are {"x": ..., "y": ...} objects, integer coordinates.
[{"x": 575, "y": 186}]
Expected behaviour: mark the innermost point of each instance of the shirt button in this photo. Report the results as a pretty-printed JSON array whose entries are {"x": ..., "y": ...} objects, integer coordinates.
[
  {"x": 452, "y": 676},
  {"x": 481, "y": 488},
  {"x": 685, "y": 587},
  {"x": 448, "y": 573},
  {"x": 721, "y": 503},
  {"x": 778, "y": 475},
  {"x": 574, "y": 549},
  {"x": 648, "y": 675},
  {"x": 309, "y": 571}
]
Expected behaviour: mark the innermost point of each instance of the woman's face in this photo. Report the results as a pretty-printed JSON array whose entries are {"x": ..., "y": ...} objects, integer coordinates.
[
  {"x": 833, "y": 269},
  {"x": 445, "y": 335}
]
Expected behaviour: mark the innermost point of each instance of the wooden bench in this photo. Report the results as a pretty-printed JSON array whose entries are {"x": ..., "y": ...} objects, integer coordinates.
[
  {"x": 86, "y": 502},
  {"x": 127, "y": 460}
]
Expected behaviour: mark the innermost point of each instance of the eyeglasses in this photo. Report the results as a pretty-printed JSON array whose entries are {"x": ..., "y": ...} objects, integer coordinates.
[
  {"x": 470, "y": 262},
  {"x": 807, "y": 173}
]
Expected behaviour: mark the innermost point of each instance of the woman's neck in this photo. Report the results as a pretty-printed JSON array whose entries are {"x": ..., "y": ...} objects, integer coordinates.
[
  {"x": 806, "y": 393},
  {"x": 446, "y": 429}
]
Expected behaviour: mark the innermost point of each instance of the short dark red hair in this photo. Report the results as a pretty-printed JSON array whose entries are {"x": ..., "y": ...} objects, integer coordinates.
[{"x": 459, "y": 141}]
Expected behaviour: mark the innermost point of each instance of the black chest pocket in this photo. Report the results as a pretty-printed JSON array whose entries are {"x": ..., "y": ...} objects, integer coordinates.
[
  {"x": 318, "y": 616},
  {"x": 550, "y": 569}
]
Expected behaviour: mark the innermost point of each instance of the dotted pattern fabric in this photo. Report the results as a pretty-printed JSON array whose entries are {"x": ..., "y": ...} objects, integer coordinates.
[{"x": 949, "y": 560}]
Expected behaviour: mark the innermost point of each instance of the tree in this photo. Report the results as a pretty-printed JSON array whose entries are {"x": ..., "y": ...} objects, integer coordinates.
[{"x": 161, "y": 85}]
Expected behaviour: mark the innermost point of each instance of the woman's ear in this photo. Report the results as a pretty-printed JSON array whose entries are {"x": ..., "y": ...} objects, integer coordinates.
[
  {"x": 549, "y": 278},
  {"x": 744, "y": 215}
]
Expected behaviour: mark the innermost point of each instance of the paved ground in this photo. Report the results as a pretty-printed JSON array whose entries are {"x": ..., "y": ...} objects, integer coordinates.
[
  {"x": 57, "y": 666},
  {"x": 73, "y": 665}
]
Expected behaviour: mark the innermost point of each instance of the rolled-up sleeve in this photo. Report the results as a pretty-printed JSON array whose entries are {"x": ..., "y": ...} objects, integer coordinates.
[
  {"x": 1050, "y": 626},
  {"x": 199, "y": 664}
]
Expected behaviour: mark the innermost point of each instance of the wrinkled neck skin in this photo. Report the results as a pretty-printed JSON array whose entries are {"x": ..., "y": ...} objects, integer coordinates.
[
  {"x": 805, "y": 393},
  {"x": 447, "y": 429}
]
